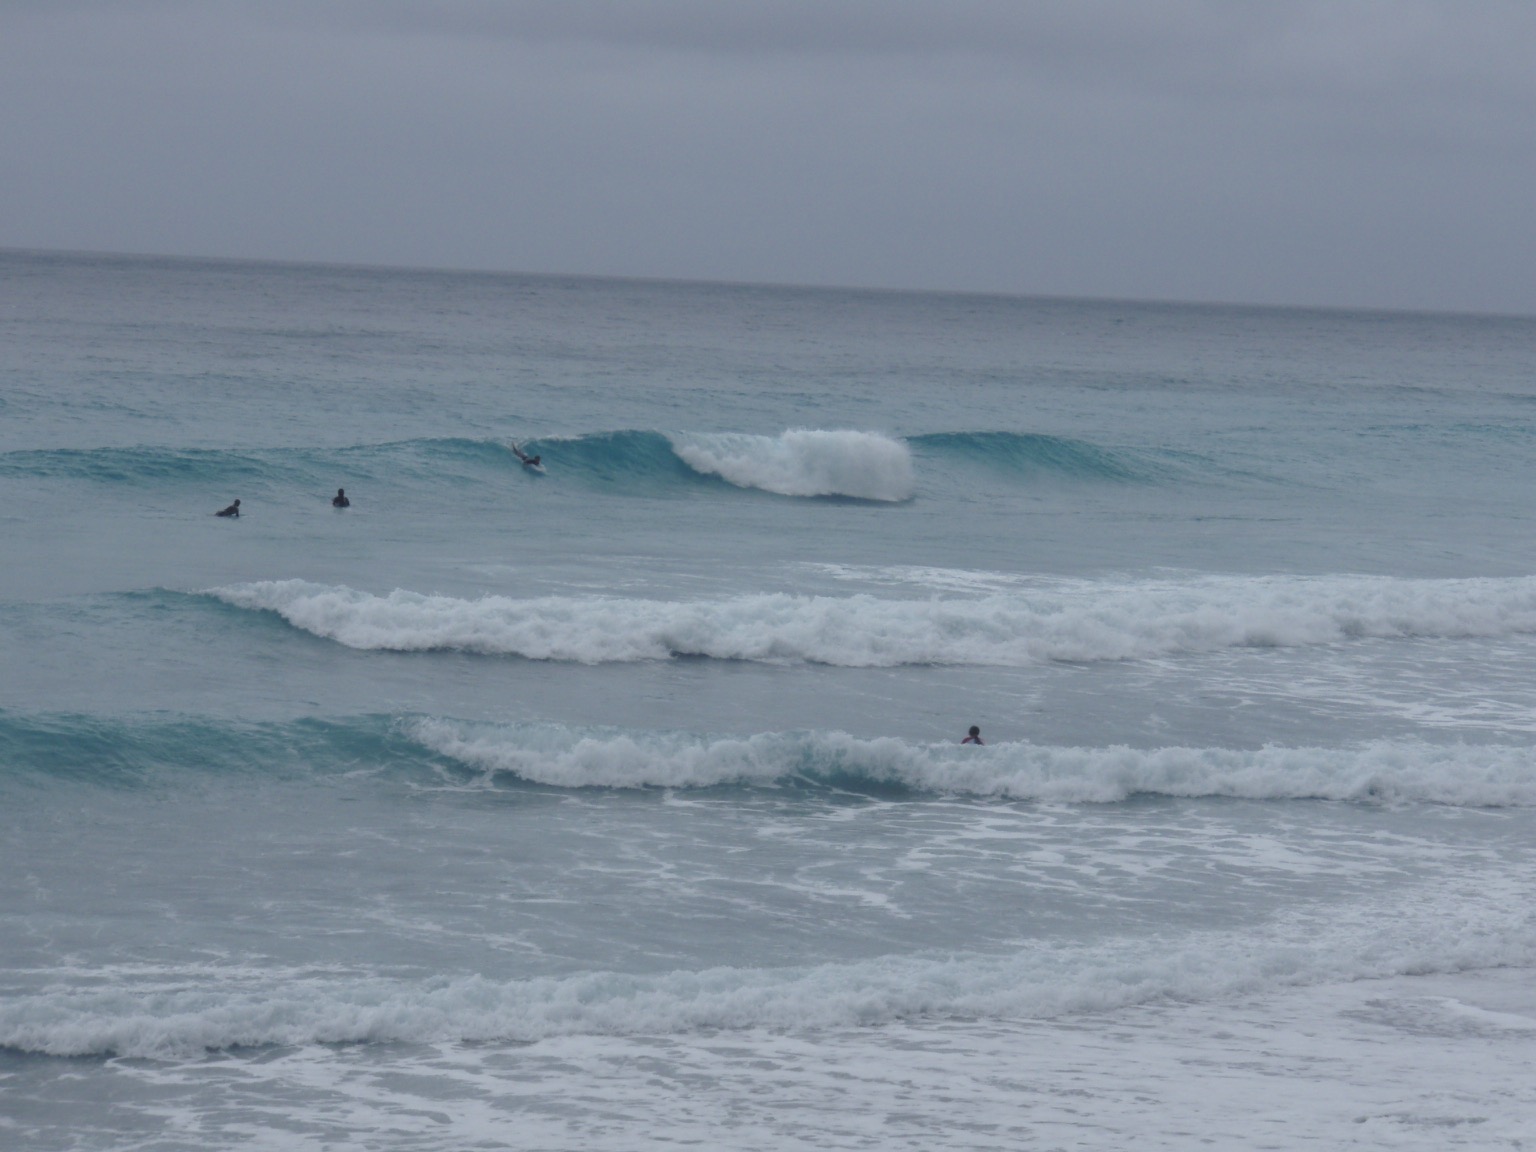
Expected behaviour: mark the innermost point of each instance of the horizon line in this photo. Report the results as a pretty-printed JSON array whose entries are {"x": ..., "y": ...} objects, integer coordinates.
[{"x": 701, "y": 281}]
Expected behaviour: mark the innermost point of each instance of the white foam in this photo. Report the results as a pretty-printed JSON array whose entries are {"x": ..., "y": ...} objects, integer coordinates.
[
  {"x": 1311, "y": 1067},
  {"x": 181, "y": 1017},
  {"x": 1065, "y": 620},
  {"x": 803, "y": 462},
  {"x": 1376, "y": 772}
]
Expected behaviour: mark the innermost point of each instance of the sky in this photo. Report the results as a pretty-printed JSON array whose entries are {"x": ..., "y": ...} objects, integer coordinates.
[{"x": 1354, "y": 153}]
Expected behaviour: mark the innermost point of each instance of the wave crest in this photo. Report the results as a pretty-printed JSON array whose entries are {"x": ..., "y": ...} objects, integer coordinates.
[{"x": 804, "y": 462}]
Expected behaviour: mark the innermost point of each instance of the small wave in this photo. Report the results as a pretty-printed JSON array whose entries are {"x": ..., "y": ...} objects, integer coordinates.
[
  {"x": 804, "y": 462},
  {"x": 120, "y": 465},
  {"x": 1030, "y": 454},
  {"x": 173, "y": 1014},
  {"x": 1380, "y": 772},
  {"x": 1059, "y": 621},
  {"x": 270, "y": 467},
  {"x": 127, "y": 751}
]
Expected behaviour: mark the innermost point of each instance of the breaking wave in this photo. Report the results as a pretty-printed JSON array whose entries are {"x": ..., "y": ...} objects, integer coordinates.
[
  {"x": 69, "y": 749},
  {"x": 799, "y": 462},
  {"x": 1379, "y": 772},
  {"x": 1056, "y": 621},
  {"x": 859, "y": 465},
  {"x": 803, "y": 462}
]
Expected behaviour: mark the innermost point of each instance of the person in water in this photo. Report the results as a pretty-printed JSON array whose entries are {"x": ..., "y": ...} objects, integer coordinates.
[
  {"x": 232, "y": 510},
  {"x": 973, "y": 736},
  {"x": 340, "y": 499},
  {"x": 531, "y": 461}
]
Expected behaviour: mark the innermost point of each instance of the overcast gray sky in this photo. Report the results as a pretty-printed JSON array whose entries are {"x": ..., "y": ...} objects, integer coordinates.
[{"x": 1374, "y": 153}]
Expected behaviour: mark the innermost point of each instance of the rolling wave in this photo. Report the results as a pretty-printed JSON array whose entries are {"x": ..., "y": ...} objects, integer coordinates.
[
  {"x": 1074, "y": 621},
  {"x": 72, "y": 750},
  {"x": 857, "y": 464},
  {"x": 843, "y": 463},
  {"x": 800, "y": 462}
]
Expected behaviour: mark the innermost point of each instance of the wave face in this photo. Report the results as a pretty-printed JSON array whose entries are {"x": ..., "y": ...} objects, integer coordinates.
[
  {"x": 181, "y": 1013},
  {"x": 800, "y": 462},
  {"x": 1379, "y": 772},
  {"x": 1074, "y": 621},
  {"x": 125, "y": 752},
  {"x": 1026, "y": 455},
  {"x": 628, "y": 457},
  {"x": 804, "y": 462}
]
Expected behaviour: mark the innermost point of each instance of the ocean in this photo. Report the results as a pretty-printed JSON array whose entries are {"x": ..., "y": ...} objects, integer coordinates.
[{"x": 622, "y": 804}]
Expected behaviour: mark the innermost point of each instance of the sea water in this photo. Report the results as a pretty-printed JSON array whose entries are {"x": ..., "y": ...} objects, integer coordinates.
[{"x": 622, "y": 804}]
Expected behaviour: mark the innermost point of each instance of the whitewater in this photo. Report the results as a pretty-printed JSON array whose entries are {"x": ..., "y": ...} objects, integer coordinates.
[
  {"x": 623, "y": 803},
  {"x": 1085, "y": 622}
]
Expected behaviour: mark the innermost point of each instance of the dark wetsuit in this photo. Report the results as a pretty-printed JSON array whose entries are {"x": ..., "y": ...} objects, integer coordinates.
[
  {"x": 340, "y": 501},
  {"x": 973, "y": 740},
  {"x": 232, "y": 510}
]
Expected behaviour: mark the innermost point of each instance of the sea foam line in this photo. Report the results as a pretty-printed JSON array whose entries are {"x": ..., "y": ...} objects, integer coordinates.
[
  {"x": 1384, "y": 772},
  {"x": 1065, "y": 621},
  {"x": 175, "y": 1015}
]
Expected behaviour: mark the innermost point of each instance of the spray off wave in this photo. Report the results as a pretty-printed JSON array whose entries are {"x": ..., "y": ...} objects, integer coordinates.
[
  {"x": 804, "y": 462},
  {"x": 1078, "y": 621}
]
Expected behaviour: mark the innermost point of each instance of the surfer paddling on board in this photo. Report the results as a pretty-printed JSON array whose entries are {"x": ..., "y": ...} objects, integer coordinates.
[
  {"x": 232, "y": 510},
  {"x": 973, "y": 736},
  {"x": 340, "y": 499},
  {"x": 528, "y": 461}
]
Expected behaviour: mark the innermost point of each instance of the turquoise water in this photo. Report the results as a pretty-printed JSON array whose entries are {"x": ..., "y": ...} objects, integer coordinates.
[{"x": 623, "y": 802}]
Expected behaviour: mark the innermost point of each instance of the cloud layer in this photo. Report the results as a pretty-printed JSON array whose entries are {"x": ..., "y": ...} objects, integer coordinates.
[{"x": 1364, "y": 154}]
